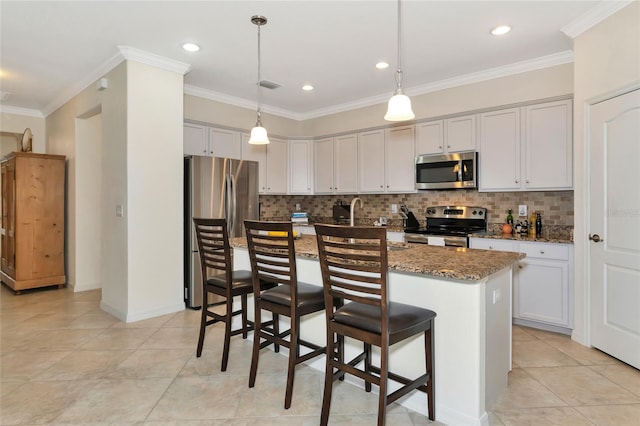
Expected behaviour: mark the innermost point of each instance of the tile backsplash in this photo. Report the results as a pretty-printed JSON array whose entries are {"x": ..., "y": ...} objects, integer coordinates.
[{"x": 556, "y": 207}]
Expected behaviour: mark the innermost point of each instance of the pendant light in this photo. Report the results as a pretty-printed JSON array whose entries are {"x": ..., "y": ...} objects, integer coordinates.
[
  {"x": 399, "y": 108},
  {"x": 259, "y": 133}
]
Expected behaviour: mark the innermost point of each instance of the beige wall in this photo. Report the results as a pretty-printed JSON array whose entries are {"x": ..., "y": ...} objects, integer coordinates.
[
  {"x": 528, "y": 86},
  {"x": 606, "y": 59},
  {"x": 218, "y": 113},
  {"x": 16, "y": 123}
]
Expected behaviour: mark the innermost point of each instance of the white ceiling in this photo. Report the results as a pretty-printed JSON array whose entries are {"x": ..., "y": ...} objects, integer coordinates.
[{"x": 52, "y": 49}]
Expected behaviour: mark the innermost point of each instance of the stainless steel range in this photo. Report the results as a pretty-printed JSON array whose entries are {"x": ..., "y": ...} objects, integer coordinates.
[{"x": 448, "y": 226}]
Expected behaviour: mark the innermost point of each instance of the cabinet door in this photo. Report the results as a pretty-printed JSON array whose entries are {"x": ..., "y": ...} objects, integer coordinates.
[
  {"x": 224, "y": 143},
  {"x": 346, "y": 164},
  {"x": 430, "y": 137},
  {"x": 400, "y": 161},
  {"x": 195, "y": 139},
  {"x": 371, "y": 161},
  {"x": 548, "y": 146},
  {"x": 460, "y": 133},
  {"x": 542, "y": 291},
  {"x": 277, "y": 166},
  {"x": 323, "y": 166},
  {"x": 300, "y": 167},
  {"x": 499, "y": 154},
  {"x": 8, "y": 219},
  {"x": 492, "y": 244},
  {"x": 256, "y": 153}
]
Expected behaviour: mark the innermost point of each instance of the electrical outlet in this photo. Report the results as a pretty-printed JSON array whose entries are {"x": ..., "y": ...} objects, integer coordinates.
[
  {"x": 394, "y": 208},
  {"x": 522, "y": 210}
]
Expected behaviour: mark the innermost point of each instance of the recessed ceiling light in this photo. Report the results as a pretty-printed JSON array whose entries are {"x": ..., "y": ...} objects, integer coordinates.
[
  {"x": 382, "y": 65},
  {"x": 191, "y": 47},
  {"x": 307, "y": 87},
  {"x": 501, "y": 30}
]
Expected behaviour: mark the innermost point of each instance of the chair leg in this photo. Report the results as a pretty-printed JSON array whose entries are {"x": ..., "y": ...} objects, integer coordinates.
[
  {"x": 367, "y": 365},
  {"x": 294, "y": 353},
  {"x": 276, "y": 330},
  {"x": 431, "y": 395},
  {"x": 245, "y": 327},
  {"x": 328, "y": 379},
  {"x": 203, "y": 325},
  {"x": 382, "y": 398},
  {"x": 228, "y": 318},
  {"x": 340, "y": 342},
  {"x": 257, "y": 326}
]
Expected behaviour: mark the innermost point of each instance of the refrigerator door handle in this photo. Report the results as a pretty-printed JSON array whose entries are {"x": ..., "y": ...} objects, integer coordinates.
[{"x": 227, "y": 202}]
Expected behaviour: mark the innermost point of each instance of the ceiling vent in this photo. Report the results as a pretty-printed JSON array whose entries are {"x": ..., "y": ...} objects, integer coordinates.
[{"x": 269, "y": 84}]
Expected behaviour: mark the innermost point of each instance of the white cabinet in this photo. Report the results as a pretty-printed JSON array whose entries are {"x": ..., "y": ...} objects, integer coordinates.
[
  {"x": 400, "y": 159},
  {"x": 386, "y": 160},
  {"x": 277, "y": 166},
  {"x": 273, "y": 165},
  {"x": 336, "y": 165},
  {"x": 499, "y": 155},
  {"x": 256, "y": 153},
  {"x": 371, "y": 161},
  {"x": 542, "y": 293},
  {"x": 526, "y": 149},
  {"x": 300, "y": 167},
  {"x": 211, "y": 141},
  {"x": 542, "y": 282},
  {"x": 548, "y": 143},
  {"x": 444, "y": 136}
]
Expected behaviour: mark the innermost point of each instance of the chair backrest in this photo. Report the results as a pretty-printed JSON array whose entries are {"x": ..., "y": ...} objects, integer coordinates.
[
  {"x": 213, "y": 245},
  {"x": 272, "y": 254},
  {"x": 353, "y": 262}
]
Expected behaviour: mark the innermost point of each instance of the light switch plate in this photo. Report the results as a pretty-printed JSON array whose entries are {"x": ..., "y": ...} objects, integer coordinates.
[
  {"x": 522, "y": 210},
  {"x": 394, "y": 208}
]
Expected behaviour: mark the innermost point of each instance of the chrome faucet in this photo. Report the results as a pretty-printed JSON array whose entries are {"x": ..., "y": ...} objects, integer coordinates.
[{"x": 353, "y": 205}]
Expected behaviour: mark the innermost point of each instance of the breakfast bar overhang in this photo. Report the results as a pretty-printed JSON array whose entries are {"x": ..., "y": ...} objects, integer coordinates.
[{"x": 470, "y": 290}]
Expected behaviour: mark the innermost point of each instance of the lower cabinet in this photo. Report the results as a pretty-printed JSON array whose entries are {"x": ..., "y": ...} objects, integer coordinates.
[{"x": 542, "y": 282}]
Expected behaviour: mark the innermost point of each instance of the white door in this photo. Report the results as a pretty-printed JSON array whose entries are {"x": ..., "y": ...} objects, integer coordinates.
[{"x": 614, "y": 226}]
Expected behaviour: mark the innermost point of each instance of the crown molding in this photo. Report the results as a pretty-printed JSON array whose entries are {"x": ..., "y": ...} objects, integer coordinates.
[
  {"x": 239, "y": 102},
  {"x": 133, "y": 54},
  {"x": 592, "y": 17},
  {"x": 124, "y": 53},
  {"x": 8, "y": 109}
]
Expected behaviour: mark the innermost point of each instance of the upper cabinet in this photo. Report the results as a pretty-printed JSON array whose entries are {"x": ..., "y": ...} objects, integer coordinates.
[
  {"x": 300, "y": 167},
  {"x": 444, "y": 136},
  {"x": 386, "y": 160},
  {"x": 272, "y": 163},
  {"x": 211, "y": 141},
  {"x": 336, "y": 165},
  {"x": 527, "y": 148}
]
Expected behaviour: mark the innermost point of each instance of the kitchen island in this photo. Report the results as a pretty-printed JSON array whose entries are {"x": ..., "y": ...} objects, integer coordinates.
[{"x": 470, "y": 290}]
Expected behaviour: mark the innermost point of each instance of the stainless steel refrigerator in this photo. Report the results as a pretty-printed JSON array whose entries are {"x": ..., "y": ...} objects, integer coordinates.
[{"x": 215, "y": 187}]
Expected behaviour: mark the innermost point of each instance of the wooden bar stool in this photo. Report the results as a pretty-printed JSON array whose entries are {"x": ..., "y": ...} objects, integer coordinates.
[
  {"x": 273, "y": 259},
  {"x": 354, "y": 263},
  {"x": 215, "y": 255}
]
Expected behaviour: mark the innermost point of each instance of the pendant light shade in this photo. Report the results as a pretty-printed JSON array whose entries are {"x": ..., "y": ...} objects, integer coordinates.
[
  {"x": 399, "y": 108},
  {"x": 259, "y": 133}
]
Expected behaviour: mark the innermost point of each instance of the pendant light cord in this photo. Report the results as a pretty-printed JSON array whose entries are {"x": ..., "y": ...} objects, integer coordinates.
[
  {"x": 399, "y": 71},
  {"x": 259, "y": 122}
]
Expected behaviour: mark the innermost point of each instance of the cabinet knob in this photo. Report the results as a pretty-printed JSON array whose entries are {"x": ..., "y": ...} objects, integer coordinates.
[
  {"x": 490, "y": 247},
  {"x": 541, "y": 251},
  {"x": 527, "y": 181},
  {"x": 439, "y": 146},
  {"x": 381, "y": 186},
  {"x": 448, "y": 146},
  {"x": 205, "y": 151},
  {"x": 519, "y": 266},
  {"x": 516, "y": 180}
]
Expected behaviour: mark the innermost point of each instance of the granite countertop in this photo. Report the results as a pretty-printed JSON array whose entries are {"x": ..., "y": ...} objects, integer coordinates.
[
  {"x": 448, "y": 262},
  {"x": 550, "y": 237}
]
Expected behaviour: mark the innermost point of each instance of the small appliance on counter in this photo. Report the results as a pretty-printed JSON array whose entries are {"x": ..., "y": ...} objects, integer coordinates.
[
  {"x": 409, "y": 220},
  {"x": 341, "y": 213}
]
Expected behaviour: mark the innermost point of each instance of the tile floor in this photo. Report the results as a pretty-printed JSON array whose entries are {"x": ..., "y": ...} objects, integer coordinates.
[{"x": 64, "y": 361}]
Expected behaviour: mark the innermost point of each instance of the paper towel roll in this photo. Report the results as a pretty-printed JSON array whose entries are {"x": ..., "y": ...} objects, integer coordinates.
[{"x": 435, "y": 241}]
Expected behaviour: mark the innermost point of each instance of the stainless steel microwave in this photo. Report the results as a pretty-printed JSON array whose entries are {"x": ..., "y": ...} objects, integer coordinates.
[{"x": 447, "y": 171}]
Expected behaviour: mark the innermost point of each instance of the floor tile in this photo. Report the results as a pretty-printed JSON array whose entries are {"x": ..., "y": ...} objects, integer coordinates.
[
  {"x": 536, "y": 353},
  {"x": 59, "y": 340},
  {"x": 621, "y": 374},
  {"x": 524, "y": 391},
  {"x": 151, "y": 363},
  {"x": 116, "y": 401},
  {"x": 554, "y": 416},
  {"x": 172, "y": 338},
  {"x": 582, "y": 386},
  {"x": 618, "y": 415},
  {"x": 28, "y": 365},
  {"x": 521, "y": 333},
  {"x": 119, "y": 339},
  {"x": 80, "y": 365}
]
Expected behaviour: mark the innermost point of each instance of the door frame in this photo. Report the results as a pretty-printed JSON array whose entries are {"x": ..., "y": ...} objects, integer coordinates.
[{"x": 585, "y": 319}]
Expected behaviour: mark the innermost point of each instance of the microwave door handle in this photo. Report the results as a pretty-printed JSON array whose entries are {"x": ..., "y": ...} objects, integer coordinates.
[{"x": 460, "y": 167}]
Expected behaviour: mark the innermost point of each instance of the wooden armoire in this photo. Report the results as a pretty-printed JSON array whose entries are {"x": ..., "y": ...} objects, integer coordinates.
[{"x": 33, "y": 188}]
